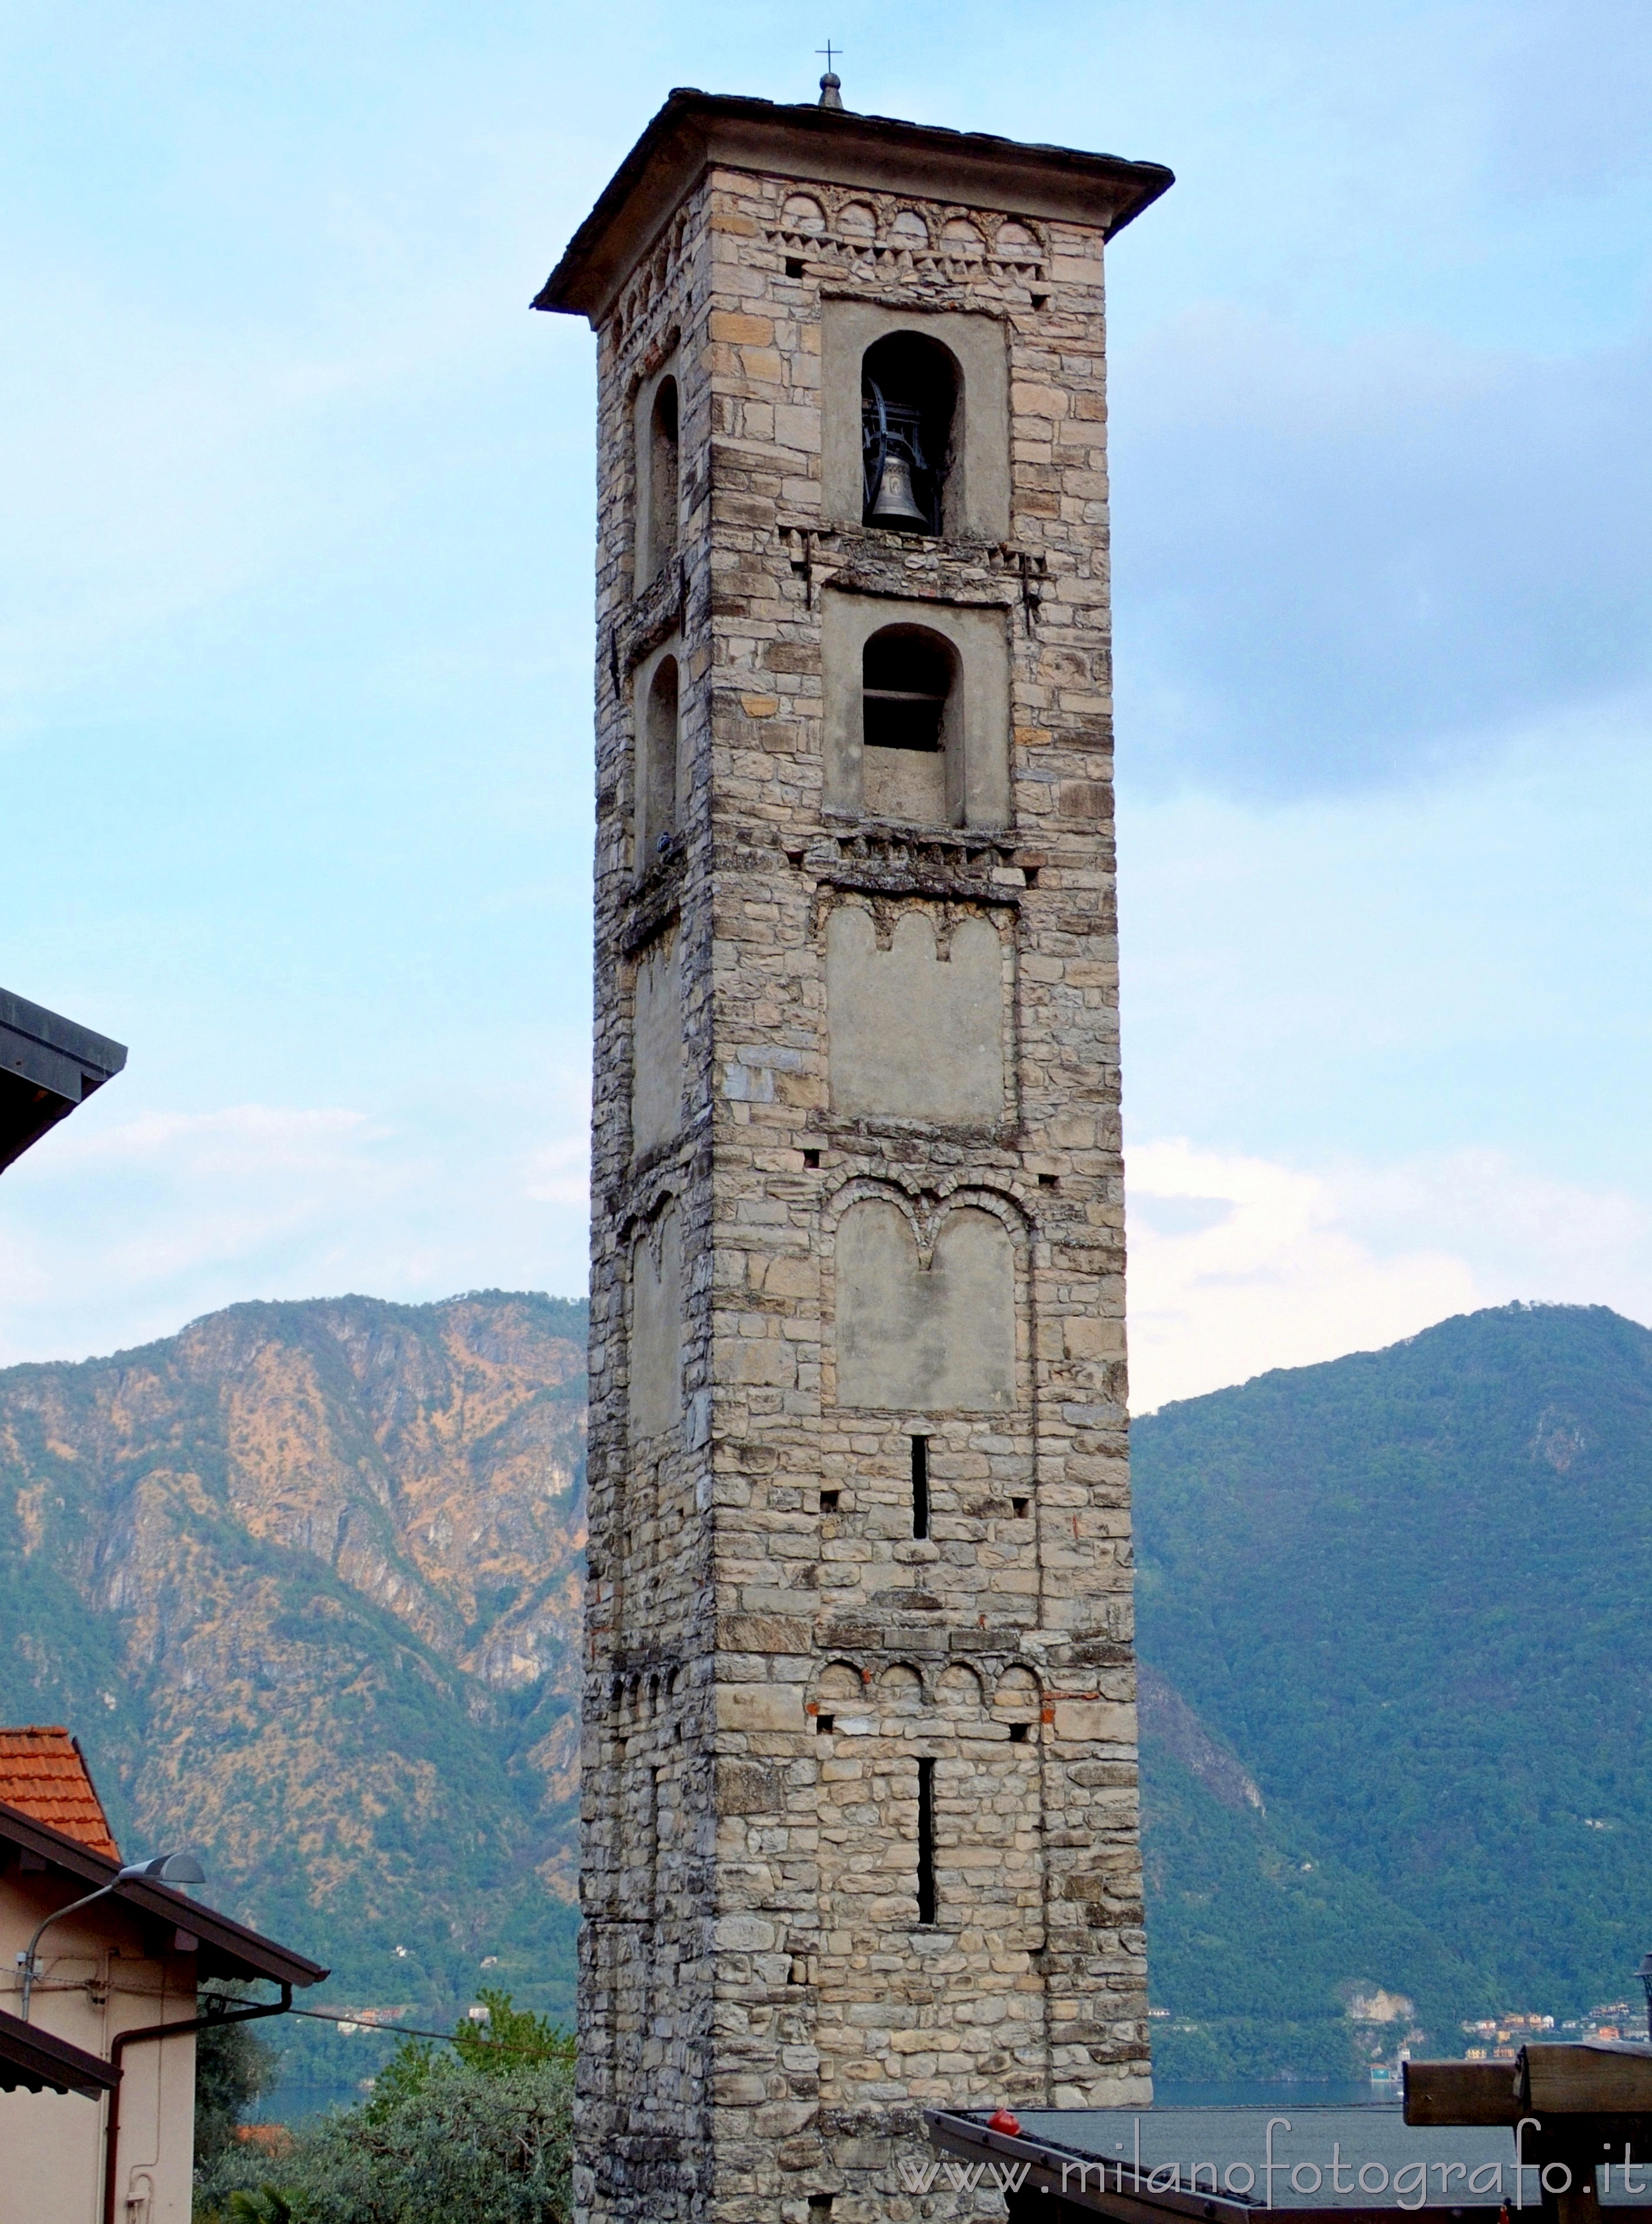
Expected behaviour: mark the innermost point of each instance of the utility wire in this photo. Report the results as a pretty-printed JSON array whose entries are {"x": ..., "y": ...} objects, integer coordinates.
[{"x": 410, "y": 2030}]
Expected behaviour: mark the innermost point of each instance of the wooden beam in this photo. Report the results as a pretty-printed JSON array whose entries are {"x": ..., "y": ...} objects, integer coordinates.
[
  {"x": 1460, "y": 2093},
  {"x": 1583, "y": 2081}
]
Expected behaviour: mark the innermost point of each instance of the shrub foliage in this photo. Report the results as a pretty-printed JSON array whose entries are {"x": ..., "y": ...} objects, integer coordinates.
[{"x": 479, "y": 2133}]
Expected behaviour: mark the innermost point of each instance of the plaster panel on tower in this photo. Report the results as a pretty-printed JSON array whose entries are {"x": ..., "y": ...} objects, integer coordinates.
[
  {"x": 924, "y": 1334},
  {"x": 657, "y": 1046},
  {"x": 917, "y": 1025},
  {"x": 657, "y": 1328}
]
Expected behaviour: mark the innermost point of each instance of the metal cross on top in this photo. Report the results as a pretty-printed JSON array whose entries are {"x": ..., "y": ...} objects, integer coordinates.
[
  {"x": 828, "y": 50},
  {"x": 830, "y": 86}
]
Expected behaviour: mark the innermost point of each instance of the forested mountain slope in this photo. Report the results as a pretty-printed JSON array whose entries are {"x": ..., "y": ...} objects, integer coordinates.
[
  {"x": 1411, "y": 1592},
  {"x": 306, "y": 1579}
]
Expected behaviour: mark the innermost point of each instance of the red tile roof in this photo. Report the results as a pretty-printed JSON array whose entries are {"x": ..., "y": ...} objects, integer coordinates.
[{"x": 42, "y": 1774}]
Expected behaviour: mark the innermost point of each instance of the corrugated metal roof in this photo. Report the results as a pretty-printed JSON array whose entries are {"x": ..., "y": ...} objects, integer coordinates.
[{"x": 43, "y": 1775}]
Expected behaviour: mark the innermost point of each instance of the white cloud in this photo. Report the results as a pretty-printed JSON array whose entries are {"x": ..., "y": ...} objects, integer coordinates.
[
  {"x": 234, "y": 1139},
  {"x": 559, "y": 1173},
  {"x": 1528, "y": 1234},
  {"x": 113, "y": 1232},
  {"x": 1240, "y": 1264}
]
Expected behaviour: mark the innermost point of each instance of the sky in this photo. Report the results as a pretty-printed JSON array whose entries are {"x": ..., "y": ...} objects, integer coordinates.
[{"x": 295, "y": 638}]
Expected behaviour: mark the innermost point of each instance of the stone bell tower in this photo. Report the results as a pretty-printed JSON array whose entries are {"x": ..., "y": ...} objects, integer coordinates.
[{"x": 860, "y": 1828}]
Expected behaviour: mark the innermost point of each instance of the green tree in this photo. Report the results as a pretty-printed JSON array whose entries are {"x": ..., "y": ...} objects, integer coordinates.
[
  {"x": 490, "y": 2146},
  {"x": 262, "y": 2206},
  {"x": 233, "y": 2067},
  {"x": 511, "y": 2037},
  {"x": 479, "y": 2131}
]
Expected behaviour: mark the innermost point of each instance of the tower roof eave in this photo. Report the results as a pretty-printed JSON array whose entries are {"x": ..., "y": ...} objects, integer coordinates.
[{"x": 694, "y": 129}]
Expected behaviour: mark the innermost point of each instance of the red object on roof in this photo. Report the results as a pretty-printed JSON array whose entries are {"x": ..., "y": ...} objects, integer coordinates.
[{"x": 43, "y": 1775}]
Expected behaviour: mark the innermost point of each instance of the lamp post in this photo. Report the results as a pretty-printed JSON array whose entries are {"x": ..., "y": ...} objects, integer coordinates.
[
  {"x": 165, "y": 1868},
  {"x": 1645, "y": 1972}
]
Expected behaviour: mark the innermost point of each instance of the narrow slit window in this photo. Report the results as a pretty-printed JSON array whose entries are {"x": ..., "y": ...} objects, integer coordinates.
[
  {"x": 926, "y": 1841},
  {"x": 920, "y": 1485}
]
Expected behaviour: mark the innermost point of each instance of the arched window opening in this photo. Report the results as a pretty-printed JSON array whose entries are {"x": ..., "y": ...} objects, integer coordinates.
[
  {"x": 660, "y": 525},
  {"x": 908, "y": 714},
  {"x": 909, "y": 394},
  {"x": 658, "y": 781}
]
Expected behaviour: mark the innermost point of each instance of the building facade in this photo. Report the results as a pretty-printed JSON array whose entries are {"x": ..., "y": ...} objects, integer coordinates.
[
  {"x": 98, "y": 2048},
  {"x": 859, "y": 1820}
]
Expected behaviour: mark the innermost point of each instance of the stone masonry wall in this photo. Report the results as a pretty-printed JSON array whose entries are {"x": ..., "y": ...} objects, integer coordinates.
[{"x": 763, "y": 2015}]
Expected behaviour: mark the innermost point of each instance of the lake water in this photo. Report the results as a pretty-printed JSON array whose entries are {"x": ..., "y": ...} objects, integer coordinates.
[
  {"x": 294, "y": 2103},
  {"x": 1302, "y": 2093}
]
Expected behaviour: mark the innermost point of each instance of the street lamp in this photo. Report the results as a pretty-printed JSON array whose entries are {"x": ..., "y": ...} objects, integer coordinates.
[
  {"x": 1645, "y": 1972},
  {"x": 165, "y": 1868}
]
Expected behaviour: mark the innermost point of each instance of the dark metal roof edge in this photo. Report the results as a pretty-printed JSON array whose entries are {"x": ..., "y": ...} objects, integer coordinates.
[
  {"x": 684, "y": 102},
  {"x": 1140, "y": 2205},
  {"x": 54, "y": 2061},
  {"x": 264, "y": 1957},
  {"x": 1046, "y": 2158},
  {"x": 67, "y": 1037}
]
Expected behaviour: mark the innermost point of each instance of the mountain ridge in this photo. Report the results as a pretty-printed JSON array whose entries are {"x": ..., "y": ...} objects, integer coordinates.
[
  {"x": 1412, "y": 1591},
  {"x": 306, "y": 1579}
]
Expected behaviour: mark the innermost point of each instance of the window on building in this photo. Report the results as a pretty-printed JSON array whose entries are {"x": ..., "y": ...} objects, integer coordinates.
[
  {"x": 660, "y": 481},
  {"x": 908, "y": 686},
  {"x": 920, "y": 1485},
  {"x": 909, "y": 396},
  {"x": 926, "y": 1841},
  {"x": 658, "y": 781}
]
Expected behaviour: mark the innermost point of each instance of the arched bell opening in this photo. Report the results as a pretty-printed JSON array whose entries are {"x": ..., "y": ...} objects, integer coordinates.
[
  {"x": 908, "y": 399},
  {"x": 657, "y": 784},
  {"x": 659, "y": 475},
  {"x": 911, "y": 744}
]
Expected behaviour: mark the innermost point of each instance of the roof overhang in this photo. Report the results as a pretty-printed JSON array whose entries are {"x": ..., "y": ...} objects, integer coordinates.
[
  {"x": 224, "y": 1948},
  {"x": 48, "y": 1066},
  {"x": 36, "y": 2062},
  {"x": 696, "y": 131},
  {"x": 1143, "y": 2165}
]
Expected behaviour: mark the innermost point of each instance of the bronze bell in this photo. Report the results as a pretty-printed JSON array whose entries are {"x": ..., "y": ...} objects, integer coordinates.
[{"x": 895, "y": 503}]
